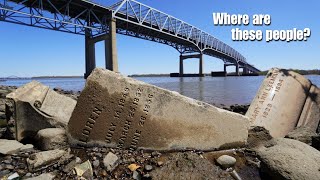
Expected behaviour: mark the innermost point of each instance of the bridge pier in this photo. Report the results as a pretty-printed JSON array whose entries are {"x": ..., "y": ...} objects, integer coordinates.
[
  {"x": 183, "y": 57},
  {"x": 110, "y": 42},
  {"x": 237, "y": 68},
  {"x": 89, "y": 55}
]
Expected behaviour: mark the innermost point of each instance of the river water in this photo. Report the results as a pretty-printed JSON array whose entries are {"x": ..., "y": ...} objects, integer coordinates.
[{"x": 217, "y": 90}]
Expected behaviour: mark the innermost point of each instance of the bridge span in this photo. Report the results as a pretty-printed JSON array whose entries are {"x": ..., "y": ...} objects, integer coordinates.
[{"x": 101, "y": 21}]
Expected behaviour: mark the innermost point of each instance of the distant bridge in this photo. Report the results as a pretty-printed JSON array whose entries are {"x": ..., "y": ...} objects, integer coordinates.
[{"x": 101, "y": 22}]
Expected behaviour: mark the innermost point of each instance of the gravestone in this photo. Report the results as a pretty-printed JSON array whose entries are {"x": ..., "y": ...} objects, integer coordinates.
[
  {"x": 36, "y": 107},
  {"x": 120, "y": 112},
  {"x": 284, "y": 101}
]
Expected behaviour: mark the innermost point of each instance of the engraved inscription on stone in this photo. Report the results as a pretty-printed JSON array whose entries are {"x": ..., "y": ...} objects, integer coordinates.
[
  {"x": 279, "y": 101},
  {"x": 124, "y": 113}
]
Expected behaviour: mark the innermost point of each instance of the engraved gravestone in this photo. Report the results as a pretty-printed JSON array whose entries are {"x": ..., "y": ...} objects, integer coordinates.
[
  {"x": 120, "y": 112},
  {"x": 36, "y": 107},
  {"x": 283, "y": 103}
]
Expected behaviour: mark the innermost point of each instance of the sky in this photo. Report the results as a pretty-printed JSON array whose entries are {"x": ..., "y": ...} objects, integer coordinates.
[{"x": 27, "y": 51}]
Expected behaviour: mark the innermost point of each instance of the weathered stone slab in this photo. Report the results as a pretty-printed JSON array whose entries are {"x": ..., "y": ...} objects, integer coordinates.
[
  {"x": 11, "y": 146},
  {"x": 310, "y": 115},
  {"x": 279, "y": 102},
  {"x": 40, "y": 159},
  {"x": 38, "y": 107},
  {"x": 121, "y": 112}
]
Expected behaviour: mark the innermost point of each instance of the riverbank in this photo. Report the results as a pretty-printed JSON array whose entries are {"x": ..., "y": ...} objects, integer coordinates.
[{"x": 49, "y": 156}]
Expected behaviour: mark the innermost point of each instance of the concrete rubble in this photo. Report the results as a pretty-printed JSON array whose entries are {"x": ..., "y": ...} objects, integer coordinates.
[
  {"x": 120, "y": 112},
  {"x": 38, "y": 107},
  {"x": 38, "y": 160},
  {"x": 284, "y": 101},
  {"x": 51, "y": 138},
  {"x": 12, "y": 146}
]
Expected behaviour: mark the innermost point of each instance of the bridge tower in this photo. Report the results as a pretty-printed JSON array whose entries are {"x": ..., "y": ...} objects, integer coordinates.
[
  {"x": 110, "y": 42},
  {"x": 236, "y": 64},
  {"x": 188, "y": 56}
]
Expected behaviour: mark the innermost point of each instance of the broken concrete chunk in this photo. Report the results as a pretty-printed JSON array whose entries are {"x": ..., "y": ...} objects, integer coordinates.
[
  {"x": 290, "y": 159},
  {"x": 38, "y": 160},
  {"x": 51, "y": 138},
  {"x": 38, "y": 107},
  {"x": 110, "y": 161},
  {"x": 279, "y": 101},
  {"x": 11, "y": 146},
  {"x": 117, "y": 111}
]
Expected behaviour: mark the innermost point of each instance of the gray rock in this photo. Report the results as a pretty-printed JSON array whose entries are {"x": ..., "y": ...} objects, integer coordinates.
[
  {"x": 38, "y": 107},
  {"x": 226, "y": 161},
  {"x": 136, "y": 175},
  {"x": 148, "y": 167},
  {"x": 51, "y": 138},
  {"x": 46, "y": 176},
  {"x": 27, "y": 147},
  {"x": 13, "y": 176},
  {"x": 148, "y": 117},
  {"x": 11, "y": 146},
  {"x": 110, "y": 161},
  {"x": 96, "y": 163},
  {"x": 37, "y": 160},
  {"x": 303, "y": 134},
  {"x": 290, "y": 159},
  {"x": 4, "y": 172}
]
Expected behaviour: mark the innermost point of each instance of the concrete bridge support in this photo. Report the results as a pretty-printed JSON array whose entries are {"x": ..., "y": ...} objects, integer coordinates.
[
  {"x": 111, "y": 57},
  {"x": 183, "y": 57},
  {"x": 237, "y": 68}
]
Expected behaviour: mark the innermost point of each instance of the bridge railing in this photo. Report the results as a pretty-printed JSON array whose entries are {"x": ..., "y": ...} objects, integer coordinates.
[{"x": 143, "y": 15}]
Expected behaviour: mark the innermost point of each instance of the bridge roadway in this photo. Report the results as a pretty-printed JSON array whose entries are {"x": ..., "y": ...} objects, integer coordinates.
[{"x": 101, "y": 22}]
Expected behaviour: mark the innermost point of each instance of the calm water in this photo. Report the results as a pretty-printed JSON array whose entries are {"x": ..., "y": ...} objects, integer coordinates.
[{"x": 218, "y": 90}]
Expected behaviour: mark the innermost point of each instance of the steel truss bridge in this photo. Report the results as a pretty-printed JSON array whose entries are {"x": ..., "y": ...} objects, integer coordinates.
[{"x": 101, "y": 21}]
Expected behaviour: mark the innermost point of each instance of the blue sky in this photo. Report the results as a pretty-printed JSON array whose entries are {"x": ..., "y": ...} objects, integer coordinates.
[{"x": 27, "y": 51}]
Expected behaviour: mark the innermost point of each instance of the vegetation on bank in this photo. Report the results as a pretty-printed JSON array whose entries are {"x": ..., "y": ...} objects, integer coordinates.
[{"x": 299, "y": 71}]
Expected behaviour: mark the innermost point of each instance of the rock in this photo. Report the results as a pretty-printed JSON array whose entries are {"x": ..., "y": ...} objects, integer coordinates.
[
  {"x": 303, "y": 134},
  {"x": 51, "y": 138},
  {"x": 13, "y": 176},
  {"x": 11, "y": 146},
  {"x": 96, "y": 163},
  {"x": 37, "y": 160},
  {"x": 290, "y": 159},
  {"x": 120, "y": 112},
  {"x": 27, "y": 147},
  {"x": 4, "y": 173},
  {"x": 46, "y": 176},
  {"x": 110, "y": 161},
  {"x": 148, "y": 167},
  {"x": 136, "y": 175},
  {"x": 226, "y": 161},
  {"x": 38, "y": 107},
  {"x": 78, "y": 160}
]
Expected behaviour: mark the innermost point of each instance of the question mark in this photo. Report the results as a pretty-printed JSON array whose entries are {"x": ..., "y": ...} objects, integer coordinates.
[{"x": 306, "y": 33}]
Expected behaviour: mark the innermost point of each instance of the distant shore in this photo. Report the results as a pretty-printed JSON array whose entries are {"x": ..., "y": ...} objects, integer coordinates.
[{"x": 262, "y": 73}]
